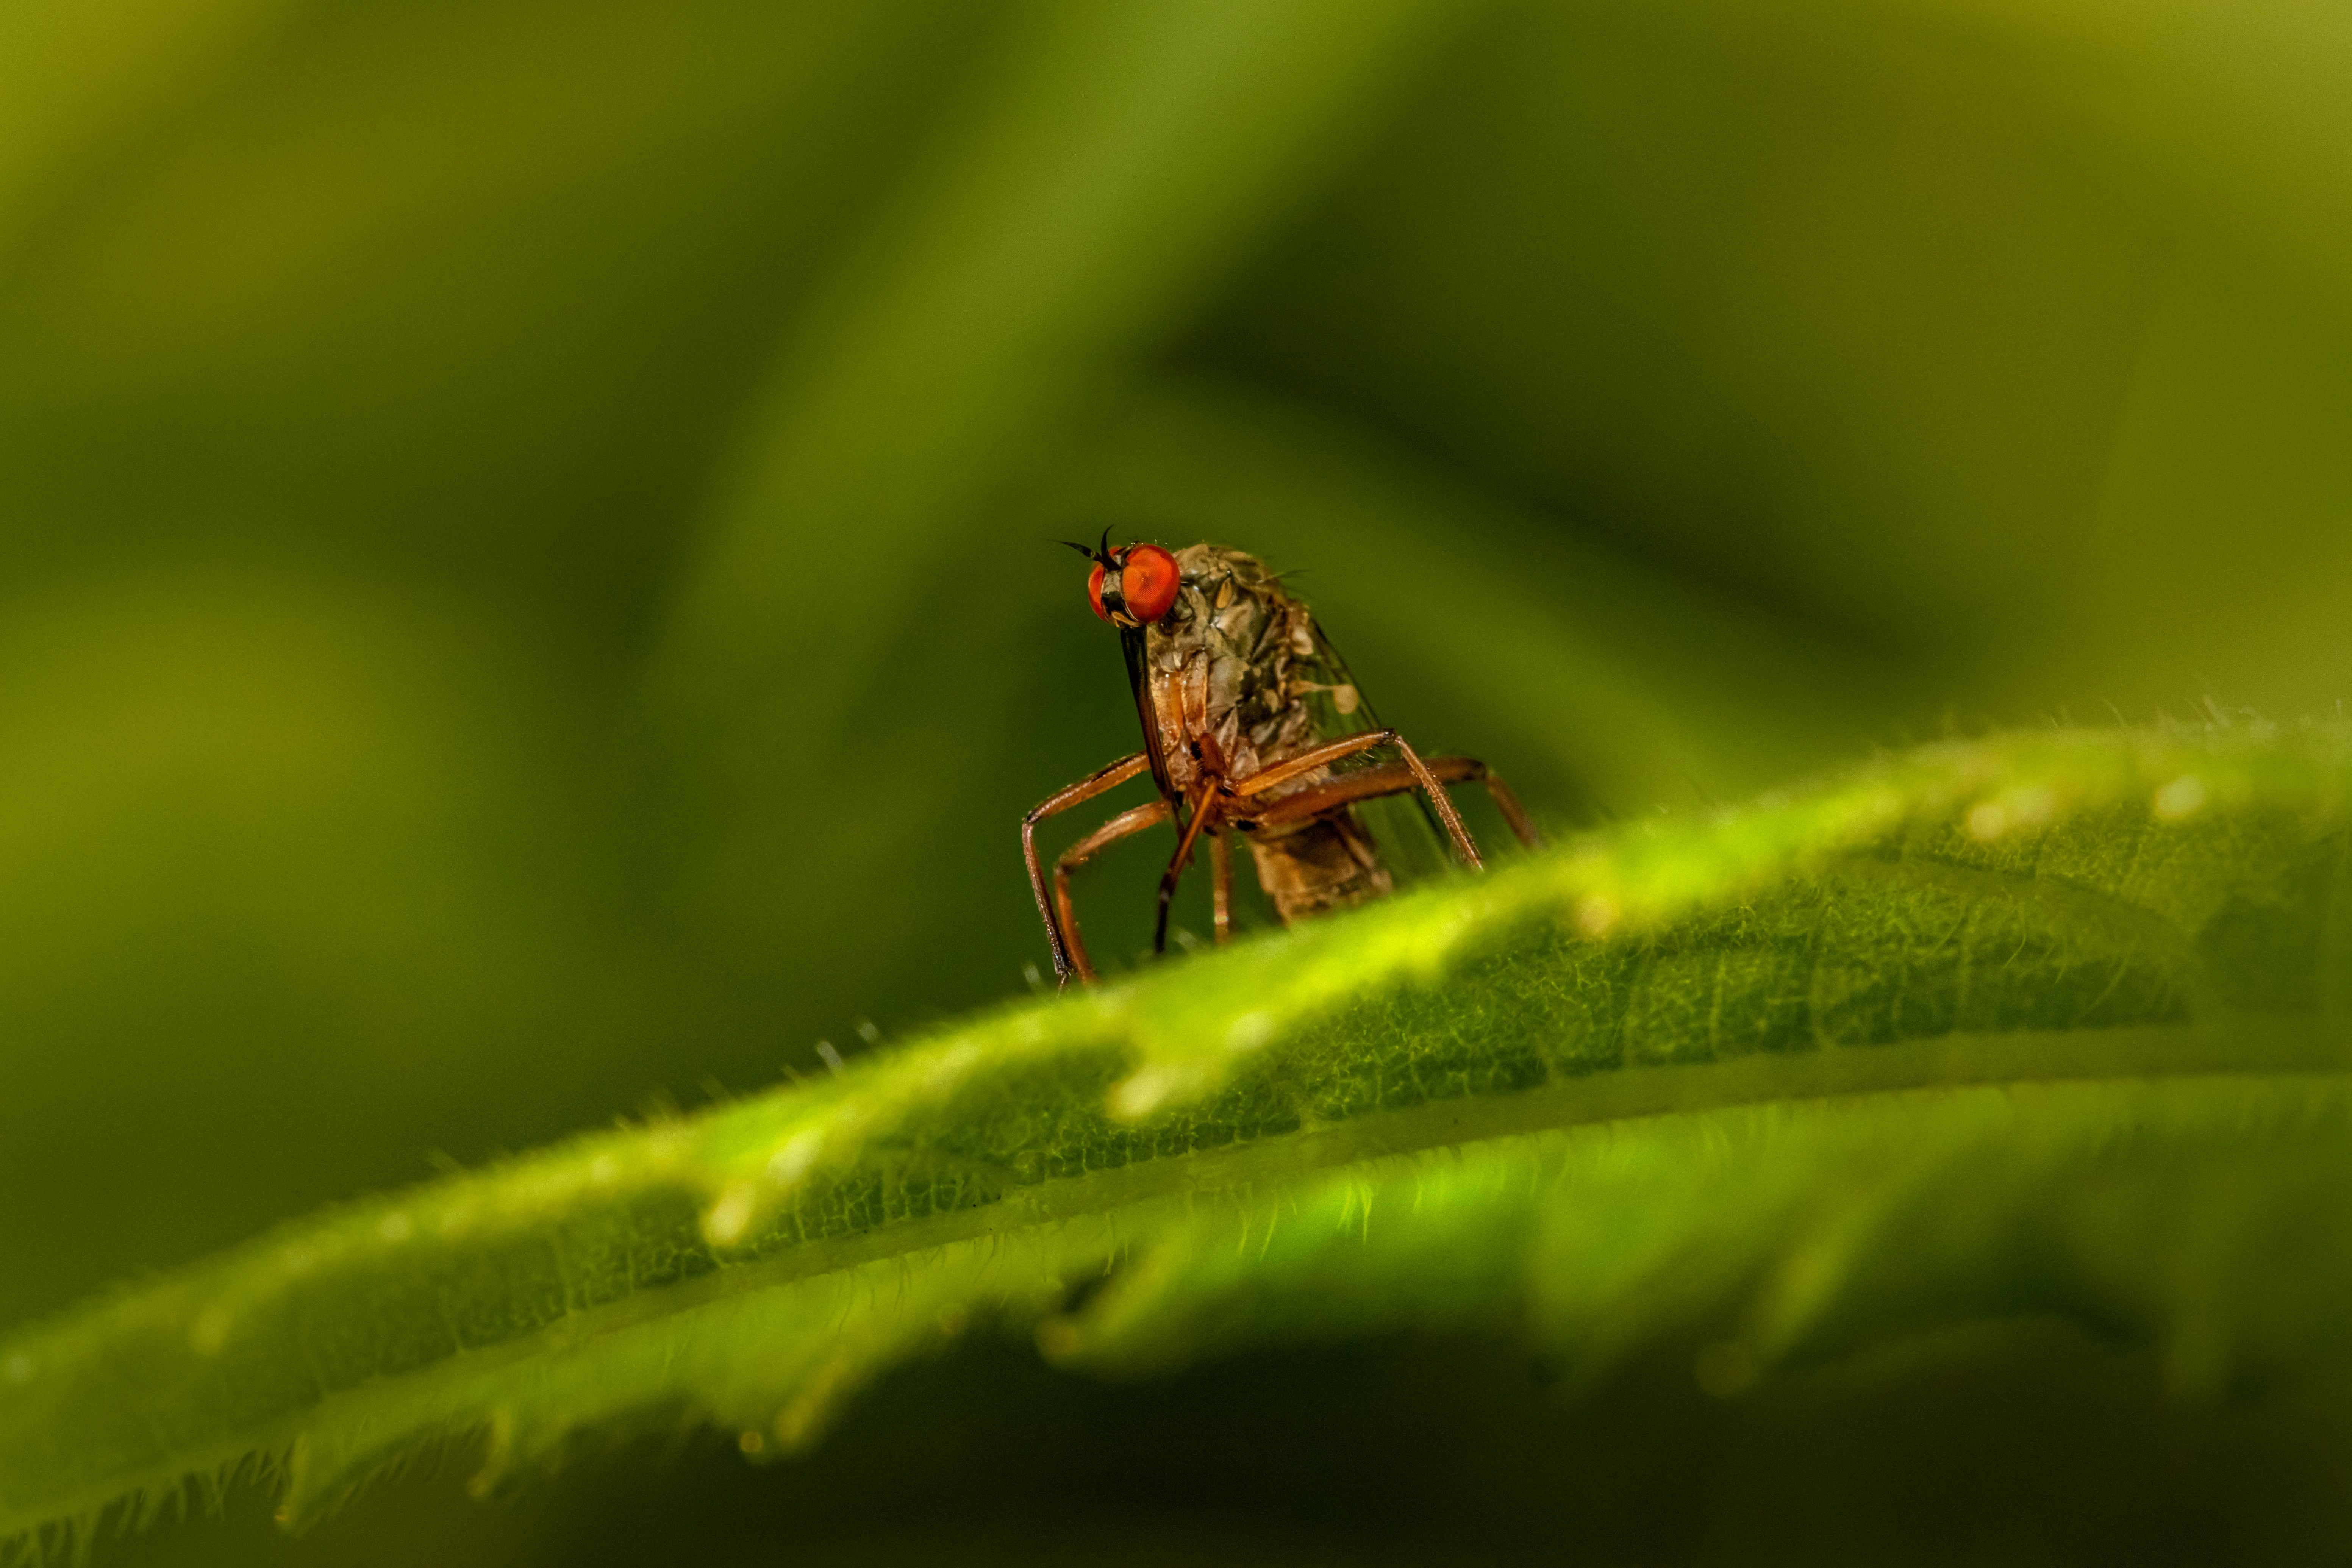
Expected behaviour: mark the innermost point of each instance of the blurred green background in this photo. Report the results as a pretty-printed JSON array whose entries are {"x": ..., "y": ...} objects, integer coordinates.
[{"x": 525, "y": 591}]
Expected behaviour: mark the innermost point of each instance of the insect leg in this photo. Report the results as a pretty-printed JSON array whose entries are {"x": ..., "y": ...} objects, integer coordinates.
[
  {"x": 1086, "y": 789},
  {"x": 1203, "y": 808},
  {"x": 1396, "y": 778},
  {"x": 1127, "y": 822},
  {"x": 1527, "y": 832},
  {"x": 1356, "y": 745},
  {"x": 1221, "y": 882}
]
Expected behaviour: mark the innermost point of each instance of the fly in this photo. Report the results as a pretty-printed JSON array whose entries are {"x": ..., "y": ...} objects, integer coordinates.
[{"x": 1253, "y": 725}]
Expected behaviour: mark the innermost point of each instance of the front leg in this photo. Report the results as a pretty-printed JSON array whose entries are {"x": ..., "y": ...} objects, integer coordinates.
[{"x": 1205, "y": 806}]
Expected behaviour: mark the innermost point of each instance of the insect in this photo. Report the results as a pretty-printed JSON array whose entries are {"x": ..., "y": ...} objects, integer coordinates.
[{"x": 1252, "y": 725}]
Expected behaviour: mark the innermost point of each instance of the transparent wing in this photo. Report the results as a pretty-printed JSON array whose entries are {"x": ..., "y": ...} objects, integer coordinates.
[{"x": 1404, "y": 827}]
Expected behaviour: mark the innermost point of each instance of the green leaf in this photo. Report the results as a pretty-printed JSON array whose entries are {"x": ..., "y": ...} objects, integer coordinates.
[{"x": 2040, "y": 1024}]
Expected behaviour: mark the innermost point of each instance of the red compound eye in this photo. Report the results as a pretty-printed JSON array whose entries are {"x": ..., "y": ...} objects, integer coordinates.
[
  {"x": 1094, "y": 593},
  {"x": 1148, "y": 581}
]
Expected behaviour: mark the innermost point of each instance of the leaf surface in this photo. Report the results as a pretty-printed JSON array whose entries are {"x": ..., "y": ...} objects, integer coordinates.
[{"x": 2041, "y": 1024}]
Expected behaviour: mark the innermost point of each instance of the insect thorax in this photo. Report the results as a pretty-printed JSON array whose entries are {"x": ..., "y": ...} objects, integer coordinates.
[{"x": 1227, "y": 662}]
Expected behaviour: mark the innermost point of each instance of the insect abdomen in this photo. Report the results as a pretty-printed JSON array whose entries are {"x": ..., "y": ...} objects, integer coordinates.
[{"x": 1322, "y": 864}]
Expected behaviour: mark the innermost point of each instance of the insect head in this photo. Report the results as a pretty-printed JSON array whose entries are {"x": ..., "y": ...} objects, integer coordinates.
[{"x": 1132, "y": 585}]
